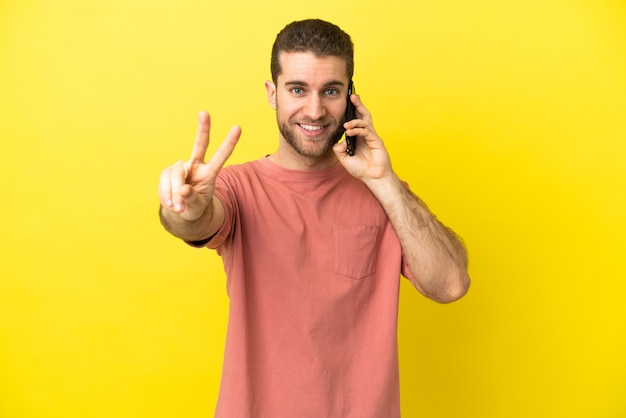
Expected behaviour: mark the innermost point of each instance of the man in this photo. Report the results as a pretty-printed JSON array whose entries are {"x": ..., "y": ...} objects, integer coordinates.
[{"x": 313, "y": 241}]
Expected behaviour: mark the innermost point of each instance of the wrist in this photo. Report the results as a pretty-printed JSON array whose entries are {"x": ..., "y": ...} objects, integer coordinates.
[
  {"x": 386, "y": 188},
  {"x": 179, "y": 226}
]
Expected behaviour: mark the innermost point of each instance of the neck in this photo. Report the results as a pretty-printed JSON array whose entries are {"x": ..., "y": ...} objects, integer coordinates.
[{"x": 287, "y": 157}]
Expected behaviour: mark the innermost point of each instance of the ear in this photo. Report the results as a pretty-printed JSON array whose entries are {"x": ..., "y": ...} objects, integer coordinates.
[{"x": 271, "y": 93}]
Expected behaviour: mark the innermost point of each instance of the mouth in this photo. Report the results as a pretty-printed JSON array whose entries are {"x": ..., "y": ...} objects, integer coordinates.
[{"x": 312, "y": 129}]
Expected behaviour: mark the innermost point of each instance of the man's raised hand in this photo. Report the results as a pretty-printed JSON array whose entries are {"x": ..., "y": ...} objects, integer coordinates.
[{"x": 187, "y": 188}]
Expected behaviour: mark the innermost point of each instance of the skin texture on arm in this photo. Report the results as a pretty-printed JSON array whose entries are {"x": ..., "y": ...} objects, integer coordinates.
[
  {"x": 189, "y": 209},
  {"x": 435, "y": 254}
]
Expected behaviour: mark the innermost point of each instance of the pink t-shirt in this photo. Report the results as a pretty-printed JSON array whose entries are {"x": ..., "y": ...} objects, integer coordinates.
[{"x": 313, "y": 274}]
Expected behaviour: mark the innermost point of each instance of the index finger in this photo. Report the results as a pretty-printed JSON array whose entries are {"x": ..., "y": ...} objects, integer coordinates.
[
  {"x": 362, "y": 110},
  {"x": 202, "y": 138}
]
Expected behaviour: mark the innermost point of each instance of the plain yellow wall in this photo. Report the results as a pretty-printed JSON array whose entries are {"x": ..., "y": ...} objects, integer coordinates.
[{"x": 507, "y": 117}]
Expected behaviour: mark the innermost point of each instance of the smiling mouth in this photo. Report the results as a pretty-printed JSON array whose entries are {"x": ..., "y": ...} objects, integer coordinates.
[{"x": 311, "y": 128}]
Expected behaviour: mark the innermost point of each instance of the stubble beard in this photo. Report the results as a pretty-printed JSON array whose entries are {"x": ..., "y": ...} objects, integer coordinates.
[{"x": 288, "y": 129}]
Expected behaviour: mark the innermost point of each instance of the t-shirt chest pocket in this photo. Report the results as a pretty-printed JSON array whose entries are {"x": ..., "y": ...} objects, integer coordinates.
[{"x": 355, "y": 250}]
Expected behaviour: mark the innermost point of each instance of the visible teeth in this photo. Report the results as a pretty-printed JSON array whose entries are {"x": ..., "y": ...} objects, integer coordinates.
[{"x": 311, "y": 127}]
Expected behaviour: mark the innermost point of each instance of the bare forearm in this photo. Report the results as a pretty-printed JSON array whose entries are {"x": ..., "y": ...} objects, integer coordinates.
[{"x": 435, "y": 254}]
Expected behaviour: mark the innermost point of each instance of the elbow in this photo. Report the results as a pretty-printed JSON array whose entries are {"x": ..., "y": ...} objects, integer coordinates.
[{"x": 456, "y": 287}]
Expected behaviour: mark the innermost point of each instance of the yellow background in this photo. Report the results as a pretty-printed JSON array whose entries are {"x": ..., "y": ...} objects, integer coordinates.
[{"x": 507, "y": 117}]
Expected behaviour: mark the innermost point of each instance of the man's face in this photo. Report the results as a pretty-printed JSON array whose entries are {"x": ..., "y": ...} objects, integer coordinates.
[{"x": 310, "y": 101}]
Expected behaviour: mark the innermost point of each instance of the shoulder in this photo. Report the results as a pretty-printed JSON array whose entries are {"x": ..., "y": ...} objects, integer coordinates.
[
  {"x": 249, "y": 166},
  {"x": 238, "y": 171}
]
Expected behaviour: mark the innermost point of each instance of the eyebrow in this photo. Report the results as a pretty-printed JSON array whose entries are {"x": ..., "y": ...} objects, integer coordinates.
[{"x": 331, "y": 83}]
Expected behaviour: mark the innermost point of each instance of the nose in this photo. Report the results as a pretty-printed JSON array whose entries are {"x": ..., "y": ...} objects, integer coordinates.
[{"x": 315, "y": 108}]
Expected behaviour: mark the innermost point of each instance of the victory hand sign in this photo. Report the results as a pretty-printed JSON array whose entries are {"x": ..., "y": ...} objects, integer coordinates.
[{"x": 189, "y": 209}]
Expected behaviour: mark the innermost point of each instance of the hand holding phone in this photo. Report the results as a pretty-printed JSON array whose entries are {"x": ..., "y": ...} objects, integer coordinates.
[{"x": 350, "y": 114}]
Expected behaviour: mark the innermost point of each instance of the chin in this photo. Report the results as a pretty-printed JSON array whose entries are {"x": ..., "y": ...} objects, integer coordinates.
[{"x": 311, "y": 148}]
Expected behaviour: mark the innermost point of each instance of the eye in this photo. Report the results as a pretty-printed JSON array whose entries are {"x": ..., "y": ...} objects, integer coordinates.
[
  {"x": 331, "y": 92},
  {"x": 297, "y": 91}
]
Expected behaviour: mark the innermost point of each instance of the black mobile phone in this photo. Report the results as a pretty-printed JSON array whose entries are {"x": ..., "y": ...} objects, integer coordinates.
[{"x": 350, "y": 114}]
